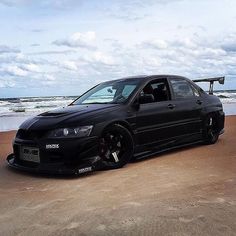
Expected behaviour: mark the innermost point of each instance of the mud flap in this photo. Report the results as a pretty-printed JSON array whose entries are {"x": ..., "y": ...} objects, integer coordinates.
[
  {"x": 10, "y": 159},
  {"x": 95, "y": 165}
]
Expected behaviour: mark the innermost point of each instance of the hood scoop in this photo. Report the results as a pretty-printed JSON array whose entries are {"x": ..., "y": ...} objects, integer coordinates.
[
  {"x": 52, "y": 114},
  {"x": 74, "y": 110}
]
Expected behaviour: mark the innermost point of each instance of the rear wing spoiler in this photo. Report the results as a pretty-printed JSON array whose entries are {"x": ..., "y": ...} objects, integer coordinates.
[{"x": 221, "y": 80}]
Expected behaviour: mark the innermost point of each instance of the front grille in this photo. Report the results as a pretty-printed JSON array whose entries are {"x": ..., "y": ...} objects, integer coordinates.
[{"x": 30, "y": 134}]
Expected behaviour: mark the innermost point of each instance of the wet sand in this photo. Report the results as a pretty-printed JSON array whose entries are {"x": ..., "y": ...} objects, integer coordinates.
[{"x": 190, "y": 191}]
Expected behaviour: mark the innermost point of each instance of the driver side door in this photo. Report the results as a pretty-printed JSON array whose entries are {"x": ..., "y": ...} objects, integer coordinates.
[{"x": 155, "y": 120}]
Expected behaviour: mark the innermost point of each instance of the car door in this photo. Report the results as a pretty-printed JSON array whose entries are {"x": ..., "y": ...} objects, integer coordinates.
[
  {"x": 154, "y": 120},
  {"x": 187, "y": 107}
]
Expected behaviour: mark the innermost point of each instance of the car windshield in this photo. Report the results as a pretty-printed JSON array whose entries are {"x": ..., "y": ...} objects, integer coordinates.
[{"x": 109, "y": 92}]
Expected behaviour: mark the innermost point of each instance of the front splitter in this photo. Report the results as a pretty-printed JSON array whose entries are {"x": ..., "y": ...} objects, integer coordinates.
[{"x": 59, "y": 169}]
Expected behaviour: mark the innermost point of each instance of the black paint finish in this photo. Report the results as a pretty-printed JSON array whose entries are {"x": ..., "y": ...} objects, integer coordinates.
[{"x": 154, "y": 127}]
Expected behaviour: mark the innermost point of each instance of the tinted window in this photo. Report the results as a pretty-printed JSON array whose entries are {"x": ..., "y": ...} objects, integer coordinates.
[
  {"x": 195, "y": 91},
  {"x": 158, "y": 89},
  {"x": 181, "y": 88},
  {"x": 127, "y": 90}
]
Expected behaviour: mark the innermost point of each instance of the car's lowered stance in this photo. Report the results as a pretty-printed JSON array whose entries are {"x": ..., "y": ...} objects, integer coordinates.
[{"x": 116, "y": 121}]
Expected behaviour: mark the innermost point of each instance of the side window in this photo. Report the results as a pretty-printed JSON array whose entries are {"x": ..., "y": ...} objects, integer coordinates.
[
  {"x": 127, "y": 90},
  {"x": 181, "y": 88},
  {"x": 195, "y": 91},
  {"x": 155, "y": 91}
]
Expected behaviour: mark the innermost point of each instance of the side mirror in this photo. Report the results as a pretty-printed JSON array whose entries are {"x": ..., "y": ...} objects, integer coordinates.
[{"x": 146, "y": 98}]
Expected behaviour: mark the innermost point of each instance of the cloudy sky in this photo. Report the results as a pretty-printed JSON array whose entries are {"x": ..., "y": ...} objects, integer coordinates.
[{"x": 63, "y": 47}]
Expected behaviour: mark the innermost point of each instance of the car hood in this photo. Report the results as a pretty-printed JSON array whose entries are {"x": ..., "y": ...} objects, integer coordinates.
[{"x": 75, "y": 114}]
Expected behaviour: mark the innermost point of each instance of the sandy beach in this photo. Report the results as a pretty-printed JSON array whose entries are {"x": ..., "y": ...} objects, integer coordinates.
[{"x": 190, "y": 191}]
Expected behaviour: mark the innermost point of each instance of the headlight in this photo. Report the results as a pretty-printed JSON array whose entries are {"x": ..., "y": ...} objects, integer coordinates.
[{"x": 82, "y": 131}]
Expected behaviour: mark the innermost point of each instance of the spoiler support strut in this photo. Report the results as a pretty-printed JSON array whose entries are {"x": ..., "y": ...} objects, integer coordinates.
[{"x": 221, "y": 80}]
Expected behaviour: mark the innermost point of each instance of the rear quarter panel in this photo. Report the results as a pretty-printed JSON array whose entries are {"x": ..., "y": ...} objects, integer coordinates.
[{"x": 214, "y": 106}]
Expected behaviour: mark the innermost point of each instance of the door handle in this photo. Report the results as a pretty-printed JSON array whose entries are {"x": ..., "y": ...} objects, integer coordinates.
[
  {"x": 199, "y": 102},
  {"x": 171, "y": 106}
]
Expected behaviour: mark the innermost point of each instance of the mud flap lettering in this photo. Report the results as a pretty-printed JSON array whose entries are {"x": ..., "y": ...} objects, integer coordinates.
[{"x": 84, "y": 170}]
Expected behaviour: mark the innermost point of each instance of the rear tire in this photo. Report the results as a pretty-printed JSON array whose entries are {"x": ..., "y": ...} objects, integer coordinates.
[
  {"x": 211, "y": 129},
  {"x": 116, "y": 147}
]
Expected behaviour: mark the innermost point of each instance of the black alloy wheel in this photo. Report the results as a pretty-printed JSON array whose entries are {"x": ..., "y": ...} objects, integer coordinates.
[
  {"x": 115, "y": 147},
  {"x": 212, "y": 131}
]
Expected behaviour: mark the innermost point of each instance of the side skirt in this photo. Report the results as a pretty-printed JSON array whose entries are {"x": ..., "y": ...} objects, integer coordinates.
[{"x": 145, "y": 154}]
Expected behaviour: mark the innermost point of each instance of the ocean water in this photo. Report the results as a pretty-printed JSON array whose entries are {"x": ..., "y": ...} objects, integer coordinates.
[
  {"x": 13, "y": 111},
  {"x": 31, "y": 106}
]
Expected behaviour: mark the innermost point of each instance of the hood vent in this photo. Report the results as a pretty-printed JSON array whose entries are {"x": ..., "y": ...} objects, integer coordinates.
[{"x": 52, "y": 114}]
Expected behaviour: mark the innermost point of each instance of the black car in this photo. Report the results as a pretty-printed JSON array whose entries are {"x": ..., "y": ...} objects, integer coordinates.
[{"x": 117, "y": 121}]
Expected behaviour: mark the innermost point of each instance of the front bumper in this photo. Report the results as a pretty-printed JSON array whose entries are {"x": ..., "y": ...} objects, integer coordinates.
[
  {"x": 73, "y": 156},
  {"x": 41, "y": 168}
]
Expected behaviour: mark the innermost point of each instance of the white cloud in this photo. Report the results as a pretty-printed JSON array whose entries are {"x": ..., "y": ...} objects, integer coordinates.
[
  {"x": 12, "y": 2},
  {"x": 150, "y": 42},
  {"x": 229, "y": 43},
  {"x": 82, "y": 40},
  {"x": 154, "y": 44},
  {"x": 101, "y": 57},
  {"x": 7, "y": 84},
  {"x": 14, "y": 70},
  {"x": 184, "y": 42},
  {"x": 56, "y": 4},
  {"x": 7, "y": 49},
  {"x": 134, "y": 10},
  {"x": 70, "y": 65},
  {"x": 31, "y": 67},
  {"x": 52, "y": 52},
  {"x": 187, "y": 56},
  {"x": 49, "y": 77}
]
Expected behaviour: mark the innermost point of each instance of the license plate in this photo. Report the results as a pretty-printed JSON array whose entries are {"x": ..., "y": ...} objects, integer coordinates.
[{"x": 30, "y": 154}]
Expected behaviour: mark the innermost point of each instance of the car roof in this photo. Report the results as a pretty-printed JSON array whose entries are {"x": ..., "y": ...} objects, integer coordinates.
[{"x": 148, "y": 77}]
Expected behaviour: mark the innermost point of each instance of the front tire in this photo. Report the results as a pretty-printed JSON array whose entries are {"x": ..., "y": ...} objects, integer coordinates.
[
  {"x": 116, "y": 147},
  {"x": 211, "y": 129}
]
